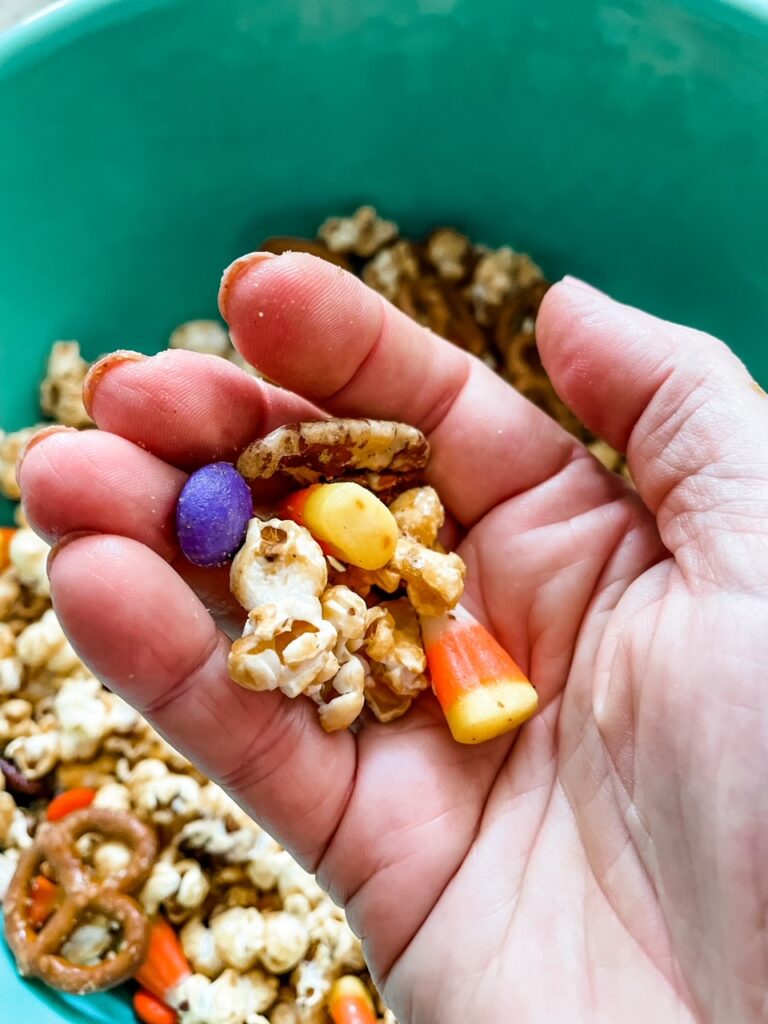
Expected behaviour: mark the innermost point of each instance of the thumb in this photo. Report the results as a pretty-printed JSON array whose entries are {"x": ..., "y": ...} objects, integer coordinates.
[{"x": 692, "y": 421}]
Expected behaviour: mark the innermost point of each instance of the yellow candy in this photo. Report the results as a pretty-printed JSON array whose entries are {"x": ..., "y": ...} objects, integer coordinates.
[{"x": 347, "y": 521}]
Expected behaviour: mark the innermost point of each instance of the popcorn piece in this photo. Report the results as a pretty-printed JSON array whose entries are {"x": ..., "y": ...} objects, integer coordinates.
[
  {"x": 163, "y": 882},
  {"x": 265, "y": 864},
  {"x": 292, "y": 878},
  {"x": 205, "y": 336},
  {"x": 61, "y": 393},
  {"x": 7, "y": 813},
  {"x": 434, "y": 580},
  {"x": 239, "y": 935},
  {"x": 161, "y": 795},
  {"x": 7, "y": 641},
  {"x": 34, "y": 755},
  {"x": 11, "y": 675},
  {"x": 199, "y": 947},
  {"x": 88, "y": 943},
  {"x": 286, "y": 941},
  {"x": 255, "y": 991},
  {"x": 10, "y": 593},
  {"x": 362, "y": 581},
  {"x": 608, "y": 456},
  {"x": 29, "y": 555},
  {"x": 174, "y": 792},
  {"x": 11, "y": 447},
  {"x": 142, "y": 744},
  {"x": 384, "y": 702},
  {"x": 363, "y": 234},
  {"x": 16, "y": 719},
  {"x": 346, "y": 610},
  {"x": 278, "y": 576},
  {"x": 121, "y": 717},
  {"x": 497, "y": 275},
  {"x": 420, "y": 514},
  {"x": 392, "y": 269},
  {"x": 213, "y": 802},
  {"x": 113, "y": 795},
  {"x": 212, "y": 837},
  {"x": 9, "y": 860},
  {"x": 312, "y": 980},
  {"x": 18, "y": 834},
  {"x": 349, "y": 683},
  {"x": 230, "y": 999},
  {"x": 193, "y": 1000},
  {"x": 346, "y": 951},
  {"x": 449, "y": 252},
  {"x": 110, "y": 857},
  {"x": 81, "y": 716},
  {"x": 281, "y": 565},
  {"x": 43, "y": 644},
  {"x": 284, "y": 1013},
  {"x": 393, "y": 645},
  {"x": 194, "y": 886}
]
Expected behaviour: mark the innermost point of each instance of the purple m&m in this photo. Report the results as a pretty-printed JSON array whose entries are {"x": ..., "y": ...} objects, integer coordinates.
[{"x": 212, "y": 514}]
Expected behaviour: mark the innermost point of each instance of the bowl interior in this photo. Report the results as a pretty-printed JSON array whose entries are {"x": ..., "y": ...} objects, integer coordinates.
[
  {"x": 151, "y": 141},
  {"x": 147, "y": 143}
]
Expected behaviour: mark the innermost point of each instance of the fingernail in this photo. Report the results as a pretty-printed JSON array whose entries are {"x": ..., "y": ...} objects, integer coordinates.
[
  {"x": 576, "y": 282},
  {"x": 101, "y": 368},
  {"x": 41, "y": 435},
  {"x": 67, "y": 539},
  {"x": 235, "y": 271}
]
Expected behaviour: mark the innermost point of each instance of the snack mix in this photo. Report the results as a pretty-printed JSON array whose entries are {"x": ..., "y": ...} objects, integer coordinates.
[{"x": 217, "y": 923}]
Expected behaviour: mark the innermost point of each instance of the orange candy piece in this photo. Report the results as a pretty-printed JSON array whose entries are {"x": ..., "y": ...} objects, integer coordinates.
[
  {"x": 165, "y": 965},
  {"x": 481, "y": 689},
  {"x": 68, "y": 801},
  {"x": 152, "y": 1010}
]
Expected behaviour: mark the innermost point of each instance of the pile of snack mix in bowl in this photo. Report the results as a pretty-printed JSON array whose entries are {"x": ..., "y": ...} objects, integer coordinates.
[{"x": 263, "y": 942}]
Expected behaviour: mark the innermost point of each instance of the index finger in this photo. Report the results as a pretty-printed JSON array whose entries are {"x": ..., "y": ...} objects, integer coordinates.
[{"x": 321, "y": 332}]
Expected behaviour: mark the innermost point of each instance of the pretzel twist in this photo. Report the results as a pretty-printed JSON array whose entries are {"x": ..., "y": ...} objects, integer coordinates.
[{"x": 37, "y": 952}]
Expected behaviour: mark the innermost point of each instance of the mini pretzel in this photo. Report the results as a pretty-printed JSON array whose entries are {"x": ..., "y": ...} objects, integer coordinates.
[
  {"x": 438, "y": 306},
  {"x": 326, "y": 449},
  {"x": 36, "y": 952}
]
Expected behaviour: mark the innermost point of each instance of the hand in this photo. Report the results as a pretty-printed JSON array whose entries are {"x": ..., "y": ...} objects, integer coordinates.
[{"x": 610, "y": 862}]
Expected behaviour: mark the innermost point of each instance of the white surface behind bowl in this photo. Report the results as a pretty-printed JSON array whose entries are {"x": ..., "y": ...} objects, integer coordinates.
[{"x": 12, "y": 11}]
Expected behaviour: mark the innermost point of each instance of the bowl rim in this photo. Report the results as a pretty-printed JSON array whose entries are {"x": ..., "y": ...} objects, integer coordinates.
[
  {"x": 59, "y": 22},
  {"x": 56, "y": 24}
]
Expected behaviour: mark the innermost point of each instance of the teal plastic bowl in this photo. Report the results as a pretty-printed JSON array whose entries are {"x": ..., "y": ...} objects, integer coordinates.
[{"x": 145, "y": 143}]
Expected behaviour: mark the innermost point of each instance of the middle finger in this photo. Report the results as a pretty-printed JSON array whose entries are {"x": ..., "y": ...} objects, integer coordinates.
[{"x": 187, "y": 408}]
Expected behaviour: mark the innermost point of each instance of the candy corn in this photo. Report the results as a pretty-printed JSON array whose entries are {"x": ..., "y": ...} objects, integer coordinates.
[
  {"x": 165, "y": 966},
  {"x": 6, "y": 536},
  {"x": 152, "y": 1010},
  {"x": 350, "y": 1003},
  {"x": 481, "y": 690},
  {"x": 43, "y": 897},
  {"x": 348, "y": 521},
  {"x": 68, "y": 801}
]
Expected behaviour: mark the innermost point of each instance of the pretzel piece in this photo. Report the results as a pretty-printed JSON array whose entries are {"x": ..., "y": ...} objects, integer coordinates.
[{"x": 36, "y": 952}]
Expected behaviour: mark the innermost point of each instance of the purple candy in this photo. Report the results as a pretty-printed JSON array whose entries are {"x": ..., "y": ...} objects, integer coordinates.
[{"x": 212, "y": 514}]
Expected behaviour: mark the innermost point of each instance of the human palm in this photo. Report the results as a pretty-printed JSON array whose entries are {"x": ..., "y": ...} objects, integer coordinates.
[{"x": 610, "y": 861}]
